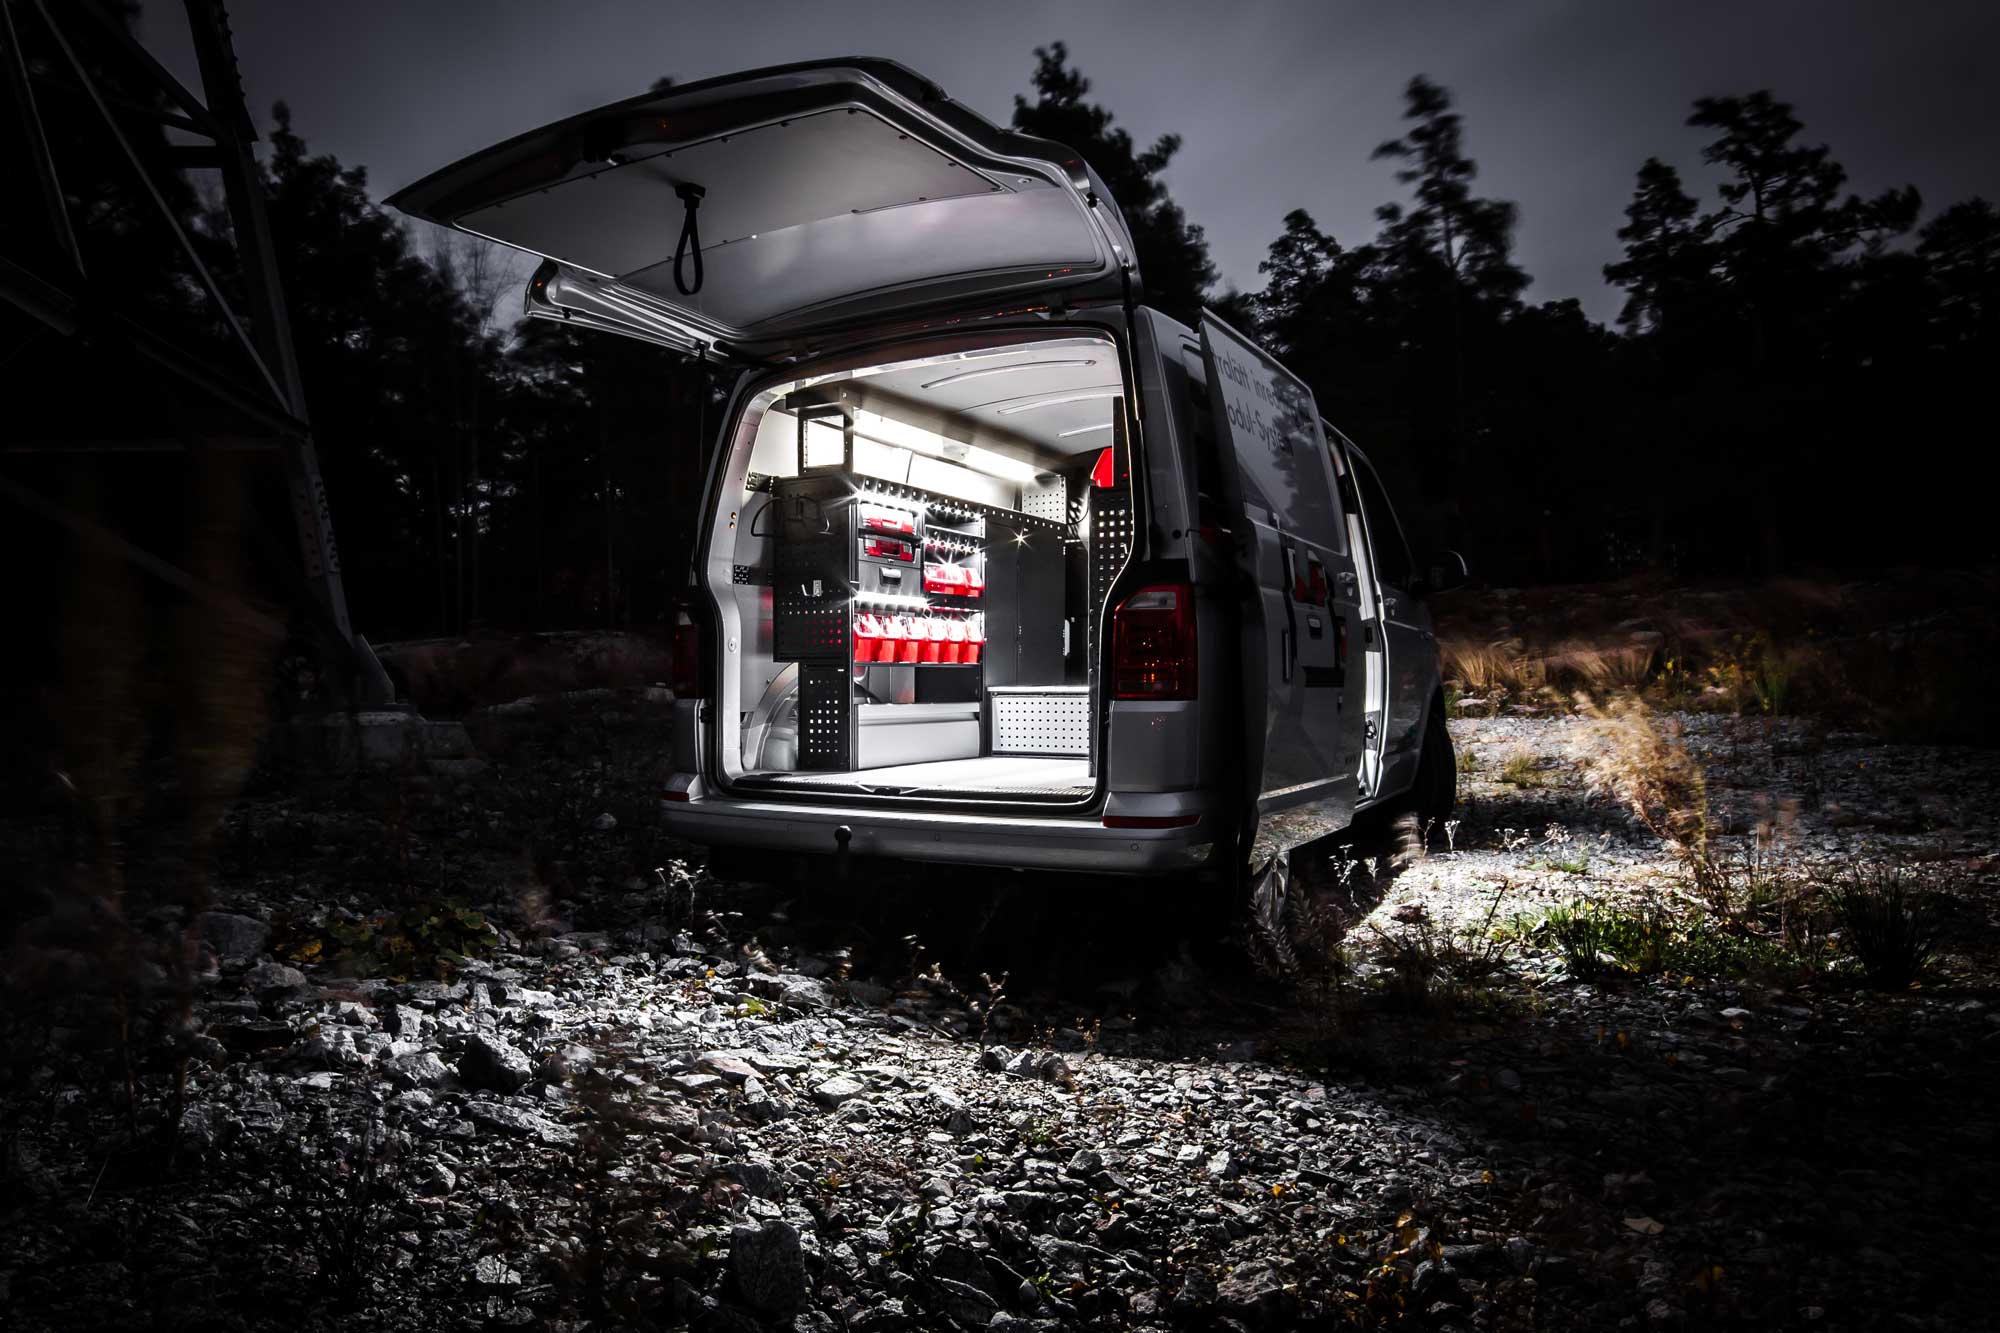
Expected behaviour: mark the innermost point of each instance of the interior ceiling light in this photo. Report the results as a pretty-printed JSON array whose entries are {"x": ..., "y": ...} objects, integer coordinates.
[
  {"x": 1083, "y": 430},
  {"x": 887, "y": 430},
  {"x": 964, "y": 375},
  {"x": 1057, "y": 400}
]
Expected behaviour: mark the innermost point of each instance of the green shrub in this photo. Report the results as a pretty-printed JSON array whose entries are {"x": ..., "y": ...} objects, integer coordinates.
[
  {"x": 426, "y": 939},
  {"x": 1892, "y": 926},
  {"x": 1600, "y": 942},
  {"x": 1597, "y": 941}
]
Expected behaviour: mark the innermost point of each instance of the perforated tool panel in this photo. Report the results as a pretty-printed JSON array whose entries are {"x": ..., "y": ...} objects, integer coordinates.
[
  {"x": 826, "y": 717},
  {"x": 1052, "y": 721},
  {"x": 1110, "y": 544},
  {"x": 812, "y": 586},
  {"x": 1050, "y": 502},
  {"x": 809, "y": 629}
]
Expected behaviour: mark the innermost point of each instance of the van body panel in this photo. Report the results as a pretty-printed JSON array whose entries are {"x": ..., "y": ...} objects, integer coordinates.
[
  {"x": 1155, "y": 745},
  {"x": 833, "y": 195},
  {"x": 1301, "y": 617},
  {"x": 1078, "y": 842}
]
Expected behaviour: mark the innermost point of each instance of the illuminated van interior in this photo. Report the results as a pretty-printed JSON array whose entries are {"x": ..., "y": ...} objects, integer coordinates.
[{"x": 909, "y": 563}]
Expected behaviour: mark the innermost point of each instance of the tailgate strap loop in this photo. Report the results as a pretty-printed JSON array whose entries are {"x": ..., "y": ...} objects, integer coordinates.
[{"x": 690, "y": 197}]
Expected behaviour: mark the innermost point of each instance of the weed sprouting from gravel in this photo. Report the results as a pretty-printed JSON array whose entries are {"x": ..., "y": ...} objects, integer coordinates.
[
  {"x": 332, "y": 1197},
  {"x": 984, "y": 1005},
  {"x": 1430, "y": 966},
  {"x": 1605, "y": 941},
  {"x": 1890, "y": 923}
]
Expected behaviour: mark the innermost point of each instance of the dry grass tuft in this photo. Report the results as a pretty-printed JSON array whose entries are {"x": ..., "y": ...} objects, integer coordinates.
[
  {"x": 1629, "y": 756},
  {"x": 1491, "y": 668}
]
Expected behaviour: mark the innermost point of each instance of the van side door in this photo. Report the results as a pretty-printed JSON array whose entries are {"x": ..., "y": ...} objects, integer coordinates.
[
  {"x": 1369, "y": 656},
  {"x": 1302, "y": 738},
  {"x": 1406, "y": 620}
]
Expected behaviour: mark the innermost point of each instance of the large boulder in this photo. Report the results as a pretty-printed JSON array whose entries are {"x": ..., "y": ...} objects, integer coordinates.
[
  {"x": 234, "y": 938},
  {"x": 770, "y": 1268},
  {"x": 1255, "y": 1294},
  {"x": 421, "y": 1070},
  {"x": 275, "y": 982},
  {"x": 489, "y": 1062}
]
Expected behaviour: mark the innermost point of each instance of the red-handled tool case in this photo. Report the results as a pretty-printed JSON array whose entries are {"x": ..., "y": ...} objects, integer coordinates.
[{"x": 882, "y": 518}]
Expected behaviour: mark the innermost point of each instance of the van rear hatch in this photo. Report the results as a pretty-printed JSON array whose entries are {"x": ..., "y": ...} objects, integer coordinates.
[{"x": 823, "y": 196}]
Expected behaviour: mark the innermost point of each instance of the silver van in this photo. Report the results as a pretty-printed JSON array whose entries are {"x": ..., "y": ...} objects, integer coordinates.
[{"x": 995, "y": 565}]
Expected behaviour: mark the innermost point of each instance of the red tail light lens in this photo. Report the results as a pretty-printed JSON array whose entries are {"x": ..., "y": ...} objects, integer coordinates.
[
  {"x": 686, "y": 678},
  {"x": 1104, "y": 472},
  {"x": 1153, "y": 644}
]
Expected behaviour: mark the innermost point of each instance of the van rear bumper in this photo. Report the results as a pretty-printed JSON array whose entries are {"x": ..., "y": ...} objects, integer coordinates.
[{"x": 1041, "y": 843}]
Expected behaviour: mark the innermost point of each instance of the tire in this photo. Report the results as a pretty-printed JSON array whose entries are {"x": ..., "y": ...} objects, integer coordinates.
[{"x": 1435, "y": 792}]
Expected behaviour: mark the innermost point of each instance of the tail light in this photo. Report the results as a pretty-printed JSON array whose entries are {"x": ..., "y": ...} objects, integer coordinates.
[
  {"x": 1153, "y": 644},
  {"x": 686, "y": 677}
]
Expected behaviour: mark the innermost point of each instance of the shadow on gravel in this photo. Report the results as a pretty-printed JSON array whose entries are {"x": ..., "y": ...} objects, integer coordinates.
[
  {"x": 1072, "y": 947},
  {"x": 1155, "y": 955}
]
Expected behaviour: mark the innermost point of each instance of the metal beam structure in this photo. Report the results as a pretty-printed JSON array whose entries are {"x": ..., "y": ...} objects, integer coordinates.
[{"x": 51, "y": 284}]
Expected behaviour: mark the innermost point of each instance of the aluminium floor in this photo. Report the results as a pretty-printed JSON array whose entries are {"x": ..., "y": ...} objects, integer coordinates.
[{"x": 1009, "y": 774}]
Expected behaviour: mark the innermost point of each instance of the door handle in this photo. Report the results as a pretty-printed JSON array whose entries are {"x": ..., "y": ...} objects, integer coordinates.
[
  {"x": 1287, "y": 653},
  {"x": 1388, "y": 606},
  {"x": 1314, "y": 626}
]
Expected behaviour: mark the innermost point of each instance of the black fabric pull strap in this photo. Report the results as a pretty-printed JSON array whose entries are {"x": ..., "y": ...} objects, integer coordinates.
[{"x": 690, "y": 196}]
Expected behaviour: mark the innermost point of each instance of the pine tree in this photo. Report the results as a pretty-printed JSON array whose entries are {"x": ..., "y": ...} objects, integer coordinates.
[
  {"x": 1667, "y": 258},
  {"x": 1172, "y": 252}
]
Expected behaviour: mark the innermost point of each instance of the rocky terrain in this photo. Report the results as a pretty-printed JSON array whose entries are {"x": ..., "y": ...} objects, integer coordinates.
[{"x": 594, "y": 1087}]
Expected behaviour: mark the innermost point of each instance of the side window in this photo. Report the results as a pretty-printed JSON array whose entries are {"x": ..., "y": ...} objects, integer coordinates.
[
  {"x": 1268, "y": 431},
  {"x": 1200, "y": 424},
  {"x": 1392, "y": 551}
]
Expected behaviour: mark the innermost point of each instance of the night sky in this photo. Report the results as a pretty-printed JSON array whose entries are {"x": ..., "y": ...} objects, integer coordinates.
[{"x": 1279, "y": 105}]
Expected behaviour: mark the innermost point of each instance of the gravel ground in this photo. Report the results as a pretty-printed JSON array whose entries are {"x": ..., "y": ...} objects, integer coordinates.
[{"x": 662, "y": 1101}]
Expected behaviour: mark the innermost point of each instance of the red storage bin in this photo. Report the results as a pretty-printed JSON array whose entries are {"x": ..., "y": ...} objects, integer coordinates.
[
  {"x": 947, "y": 579},
  {"x": 867, "y": 638},
  {"x": 975, "y": 583},
  {"x": 912, "y": 645},
  {"x": 954, "y": 642},
  {"x": 975, "y": 639},
  {"x": 933, "y": 642},
  {"x": 888, "y": 548}
]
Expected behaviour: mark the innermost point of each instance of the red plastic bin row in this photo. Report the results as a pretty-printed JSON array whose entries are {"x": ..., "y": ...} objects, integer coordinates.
[{"x": 917, "y": 639}]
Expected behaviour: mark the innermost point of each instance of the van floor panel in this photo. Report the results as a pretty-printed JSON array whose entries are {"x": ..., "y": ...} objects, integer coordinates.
[{"x": 1014, "y": 775}]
